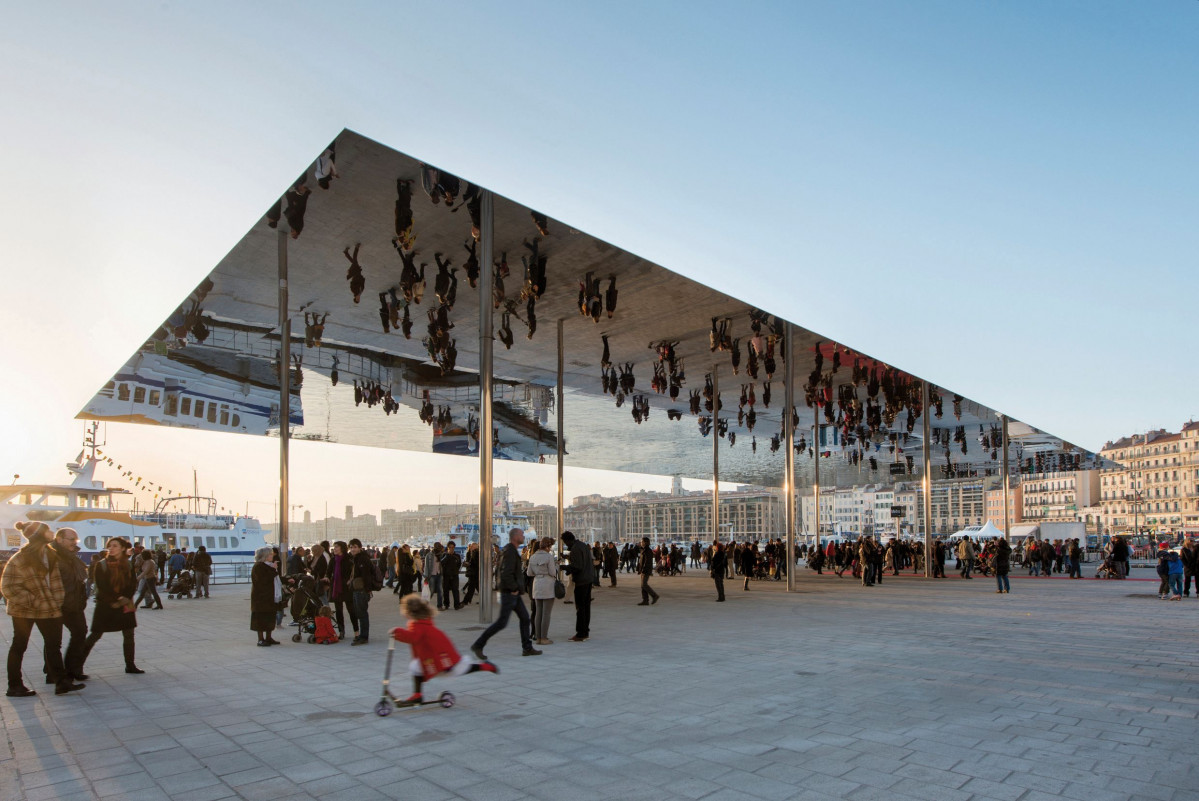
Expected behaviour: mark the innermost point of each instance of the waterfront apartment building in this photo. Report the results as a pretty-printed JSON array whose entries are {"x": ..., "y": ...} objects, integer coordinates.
[
  {"x": 994, "y": 503},
  {"x": 746, "y": 513},
  {"x": 1059, "y": 497},
  {"x": 594, "y": 517},
  {"x": 1155, "y": 486}
]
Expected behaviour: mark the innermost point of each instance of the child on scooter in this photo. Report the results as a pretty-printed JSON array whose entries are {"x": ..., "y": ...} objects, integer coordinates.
[{"x": 432, "y": 651}]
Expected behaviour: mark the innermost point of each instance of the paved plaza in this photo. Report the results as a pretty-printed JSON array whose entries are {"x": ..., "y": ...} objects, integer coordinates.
[{"x": 942, "y": 691}]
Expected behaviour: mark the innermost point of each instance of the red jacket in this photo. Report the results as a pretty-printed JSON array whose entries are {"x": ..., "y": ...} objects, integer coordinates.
[
  {"x": 324, "y": 630},
  {"x": 430, "y": 646}
]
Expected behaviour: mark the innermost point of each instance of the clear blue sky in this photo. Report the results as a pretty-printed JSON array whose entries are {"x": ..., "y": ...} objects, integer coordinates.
[{"x": 1001, "y": 197}]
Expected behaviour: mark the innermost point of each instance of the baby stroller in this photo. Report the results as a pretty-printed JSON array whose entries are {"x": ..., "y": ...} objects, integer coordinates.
[
  {"x": 305, "y": 603},
  {"x": 184, "y": 585},
  {"x": 1108, "y": 570}
]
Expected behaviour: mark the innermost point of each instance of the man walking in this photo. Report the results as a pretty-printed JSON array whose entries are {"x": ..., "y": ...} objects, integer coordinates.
[
  {"x": 511, "y": 586},
  {"x": 966, "y": 557},
  {"x": 646, "y": 568},
  {"x": 202, "y": 567},
  {"x": 451, "y": 567},
  {"x": 74, "y": 577},
  {"x": 582, "y": 572}
]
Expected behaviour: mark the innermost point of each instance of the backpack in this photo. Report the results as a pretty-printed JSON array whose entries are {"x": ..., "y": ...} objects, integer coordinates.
[{"x": 376, "y": 577}]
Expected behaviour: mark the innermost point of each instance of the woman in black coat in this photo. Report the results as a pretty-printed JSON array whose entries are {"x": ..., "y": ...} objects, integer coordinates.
[
  {"x": 263, "y": 577},
  {"x": 114, "y": 610},
  {"x": 749, "y": 563},
  {"x": 1003, "y": 564},
  {"x": 717, "y": 564}
]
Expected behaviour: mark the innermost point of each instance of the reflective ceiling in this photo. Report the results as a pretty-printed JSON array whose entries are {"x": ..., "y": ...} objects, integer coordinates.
[{"x": 397, "y": 367}]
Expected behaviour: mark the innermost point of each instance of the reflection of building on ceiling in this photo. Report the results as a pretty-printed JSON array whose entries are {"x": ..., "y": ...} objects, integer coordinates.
[
  {"x": 520, "y": 410},
  {"x": 195, "y": 387}
]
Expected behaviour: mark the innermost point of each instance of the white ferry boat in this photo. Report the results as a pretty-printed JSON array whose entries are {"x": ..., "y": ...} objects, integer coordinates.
[
  {"x": 464, "y": 534},
  {"x": 93, "y": 510}
]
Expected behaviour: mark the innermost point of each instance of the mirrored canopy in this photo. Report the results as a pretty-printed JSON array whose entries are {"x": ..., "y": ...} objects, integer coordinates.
[{"x": 383, "y": 258}]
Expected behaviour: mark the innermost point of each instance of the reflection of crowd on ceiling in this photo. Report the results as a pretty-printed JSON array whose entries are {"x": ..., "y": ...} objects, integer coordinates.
[
  {"x": 187, "y": 319},
  {"x": 867, "y": 405},
  {"x": 395, "y": 314}
]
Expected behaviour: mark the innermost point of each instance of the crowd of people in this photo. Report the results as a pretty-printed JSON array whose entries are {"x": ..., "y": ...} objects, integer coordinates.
[{"x": 46, "y": 585}]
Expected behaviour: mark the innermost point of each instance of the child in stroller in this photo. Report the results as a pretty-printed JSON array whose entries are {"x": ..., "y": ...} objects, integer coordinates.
[
  {"x": 304, "y": 606},
  {"x": 184, "y": 585}
]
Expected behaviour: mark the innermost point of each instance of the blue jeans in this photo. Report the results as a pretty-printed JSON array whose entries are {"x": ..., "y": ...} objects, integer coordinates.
[
  {"x": 1034, "y": 569},
  {"x": 1004, "y": 584},
  {"x": 435, "y": 590},
  {"x": 509, "y": 603},
  {"x": 362, "y": 600},
  {"x": 1175, "y": 580}
]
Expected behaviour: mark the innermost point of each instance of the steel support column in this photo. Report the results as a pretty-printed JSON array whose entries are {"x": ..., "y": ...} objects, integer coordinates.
[
  {"x": 715, "y": 455},
  {"x": 927, "y": 481},
  {"x": 1007, "y": 480},
  {"x": 486, "y": 339},
  {"x": 284, "y": 400},
  {"x": 789, "y": 462},
  {"x": 561, "y": 446},
  {"x": 816, "y": 469}
]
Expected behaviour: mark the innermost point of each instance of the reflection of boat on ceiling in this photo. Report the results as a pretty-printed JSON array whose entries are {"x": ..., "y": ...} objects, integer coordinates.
[{"x": 195, "y": 387}]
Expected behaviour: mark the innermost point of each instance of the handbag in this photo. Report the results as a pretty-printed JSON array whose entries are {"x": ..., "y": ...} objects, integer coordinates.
[{"x": 559, "y": 588}]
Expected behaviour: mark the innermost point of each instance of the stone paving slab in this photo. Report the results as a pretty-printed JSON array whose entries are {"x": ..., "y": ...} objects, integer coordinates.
[{"x": 914, "y": 689}]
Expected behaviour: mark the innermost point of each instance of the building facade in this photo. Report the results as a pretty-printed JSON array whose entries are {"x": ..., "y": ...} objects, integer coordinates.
[{"x": 1155, "y": 487}]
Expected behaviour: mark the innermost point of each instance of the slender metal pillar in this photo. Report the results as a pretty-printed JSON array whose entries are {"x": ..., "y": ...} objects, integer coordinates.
[
  {"x": 561, "y": 443},
  {"x": 816, "y": 469},
  {"x": 789, "y": 462},
  {"x": 1007, "y": 480},
  {"x": 927, "y": 482},
  {"x": 715, "y": 455},
  {"x": 486, "y": 445},
  {"x": 284, "y": 399}
]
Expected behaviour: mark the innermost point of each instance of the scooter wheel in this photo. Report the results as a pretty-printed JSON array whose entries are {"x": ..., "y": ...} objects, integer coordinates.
[
  {"x": 311, "y": 639},
  {"x": 383, "y": 709},
  {"x": 446, "y": 699},
  {"x": 295, "y": 638}
]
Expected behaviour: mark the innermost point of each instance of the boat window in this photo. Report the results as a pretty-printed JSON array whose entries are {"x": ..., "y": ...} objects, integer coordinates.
[
  {"x": 212, "y": 412},
  {"x": 199, "y": 410},
  {"x": 211, "y": 542},
  {"x": 236, "y": 421},
  {"x": 139, "y": 395},
  {"x": 89, "y": 542},
  {"x": 233, "y": 542},
  {"x": 56, "y": 499},
  {"x": 224, "y": 542},
  {"x": 100, "y": 502},
  {"x": 183, "y": 542},
  {"x": 123, "y": 392},
  {"x": 185, "y": 406},
  {"x": 224, "y": 415},
  {"x": 110, "y": 386},
  {"x": 172, "y": 406},
  {"x": 155, "y": 397}
]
